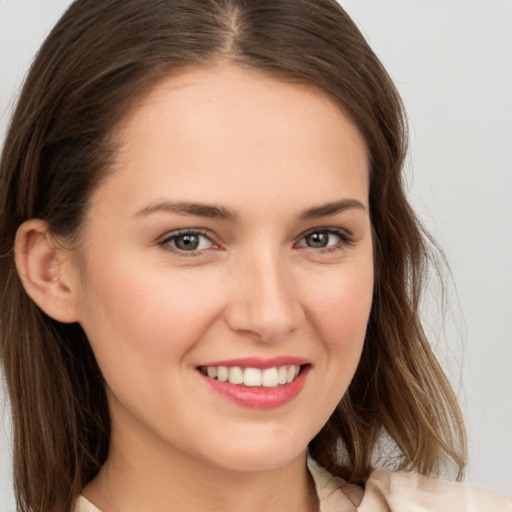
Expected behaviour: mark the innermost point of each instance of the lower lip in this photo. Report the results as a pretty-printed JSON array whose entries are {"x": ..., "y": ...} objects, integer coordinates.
[{"x": 259, "y": 397}]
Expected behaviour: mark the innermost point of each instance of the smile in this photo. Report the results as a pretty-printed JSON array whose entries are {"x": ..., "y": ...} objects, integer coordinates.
[
  {"x": 255, "y": 383},
  {"x": 253, "y": 377}
]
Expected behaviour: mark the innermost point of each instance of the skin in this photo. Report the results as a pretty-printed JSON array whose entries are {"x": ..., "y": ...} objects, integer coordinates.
[{"x": 266, "y": 151}]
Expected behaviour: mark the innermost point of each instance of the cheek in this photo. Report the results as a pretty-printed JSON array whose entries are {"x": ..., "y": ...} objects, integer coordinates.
[
  {"x": 149, "y": 315},
  {"x": 342, "y": 307}
]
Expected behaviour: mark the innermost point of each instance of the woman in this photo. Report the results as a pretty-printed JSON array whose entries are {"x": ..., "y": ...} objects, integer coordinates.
[{"x": 215, "y": 269}]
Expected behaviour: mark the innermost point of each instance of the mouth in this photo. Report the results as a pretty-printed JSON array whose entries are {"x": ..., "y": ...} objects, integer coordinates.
[
  {"x": 254, "y": 377},
  {"x": 257, "y": 384}
]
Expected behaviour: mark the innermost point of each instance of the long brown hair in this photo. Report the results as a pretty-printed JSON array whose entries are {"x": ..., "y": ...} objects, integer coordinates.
[{"x": 98, "y": 59}]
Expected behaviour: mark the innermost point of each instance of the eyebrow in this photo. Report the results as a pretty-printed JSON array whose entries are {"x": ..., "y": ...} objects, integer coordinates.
[
  {"x": 220, "y": 212},
  {"x": 185, "y": 208},
  {"x": 331, "y": 209}
]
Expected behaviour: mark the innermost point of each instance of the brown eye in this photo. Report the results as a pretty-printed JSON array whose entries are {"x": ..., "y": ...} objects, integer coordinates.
[
  {"x": 187, "y": 241},
  {"x": 326, "y": 238},
  {"x": 318, "y": 239}
]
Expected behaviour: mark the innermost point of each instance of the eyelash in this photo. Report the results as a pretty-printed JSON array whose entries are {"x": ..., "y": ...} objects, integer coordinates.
[
  {"x": 165, "y": 243},
  {"x": 345, "y": 240}
]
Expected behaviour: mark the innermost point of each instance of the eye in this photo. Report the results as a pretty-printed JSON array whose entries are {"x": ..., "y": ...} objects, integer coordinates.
[
  {"x": 186, "y": 241},
  {"x": 325, "y": 238}
]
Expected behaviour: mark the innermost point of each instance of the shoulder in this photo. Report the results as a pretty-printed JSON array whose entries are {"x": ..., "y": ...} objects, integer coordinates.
[
  {"x": 402, "y": 491},
  {"x": 82, "y": 505},
  {"x": 390, "y": 491}
]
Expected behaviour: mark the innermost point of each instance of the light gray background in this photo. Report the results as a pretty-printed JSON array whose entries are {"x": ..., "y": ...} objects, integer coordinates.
[{"x": 452, "y": 62}]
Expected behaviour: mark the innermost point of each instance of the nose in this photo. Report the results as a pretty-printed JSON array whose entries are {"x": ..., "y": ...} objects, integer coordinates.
[{"x": 264, "y": 303}]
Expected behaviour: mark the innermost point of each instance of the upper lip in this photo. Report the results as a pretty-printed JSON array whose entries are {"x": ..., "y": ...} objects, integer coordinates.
[{"x": 261, "y": 363}]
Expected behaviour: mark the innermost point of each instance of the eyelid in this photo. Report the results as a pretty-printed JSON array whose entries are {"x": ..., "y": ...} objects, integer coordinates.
[
  {"x": 347, "y": 239},
  {"x": 164, "y": 240}
]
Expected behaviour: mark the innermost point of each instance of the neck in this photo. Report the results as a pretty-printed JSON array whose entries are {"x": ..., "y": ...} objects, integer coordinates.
[{"x": 148, "y": 477}]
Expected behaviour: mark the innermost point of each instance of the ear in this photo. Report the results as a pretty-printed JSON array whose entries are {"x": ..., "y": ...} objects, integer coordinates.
[{"x": 47, "y": 271}]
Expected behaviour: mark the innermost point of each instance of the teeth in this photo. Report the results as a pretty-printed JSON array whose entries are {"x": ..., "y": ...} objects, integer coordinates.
[
  {"x": 222, "y": 373},
  {"x": 281, "y": 375},
  {"x": 253, "y": 377},
  {"x": 290, "y": 373},
  {"x": 269, "y": 378},
  {"x": 236, "y": 375}
]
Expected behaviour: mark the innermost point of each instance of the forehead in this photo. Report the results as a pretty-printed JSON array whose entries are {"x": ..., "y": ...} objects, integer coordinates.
[{"x": 227, "y": 129}]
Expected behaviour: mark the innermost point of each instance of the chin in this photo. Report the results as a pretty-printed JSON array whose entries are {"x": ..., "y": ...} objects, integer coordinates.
[{"x": 258, "y": 456}]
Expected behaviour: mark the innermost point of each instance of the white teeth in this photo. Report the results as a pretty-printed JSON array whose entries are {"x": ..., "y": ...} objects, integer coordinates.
[
  {"x": 222, "y": 373},
  {"x": 236, "y": 375},
  {"x": 269, "y": 378},
  {"x": 281, "y": 375},
  {"x": 253, "y": 377}
]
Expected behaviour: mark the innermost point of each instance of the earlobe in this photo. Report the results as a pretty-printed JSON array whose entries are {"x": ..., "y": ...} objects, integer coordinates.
[{"x": 46, "y": 271}]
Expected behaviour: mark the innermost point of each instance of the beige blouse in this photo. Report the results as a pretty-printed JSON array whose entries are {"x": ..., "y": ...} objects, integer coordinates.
[{"x": 388, "y": 491}]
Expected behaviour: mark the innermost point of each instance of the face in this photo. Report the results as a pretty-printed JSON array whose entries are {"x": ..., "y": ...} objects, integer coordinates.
[{"x": 226, "y": 268}]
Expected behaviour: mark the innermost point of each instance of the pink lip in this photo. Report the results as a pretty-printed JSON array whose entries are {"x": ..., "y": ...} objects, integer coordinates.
[
  {"x": 256, "y": 362},
  {"x": 256, "y": 397}
]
